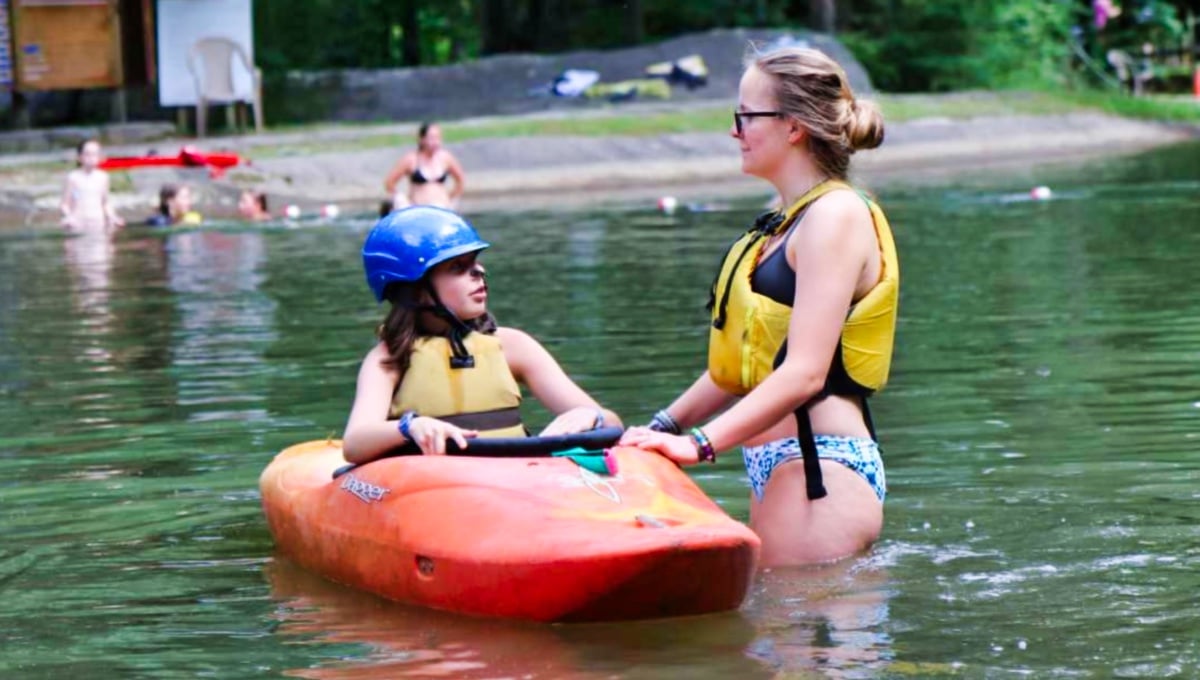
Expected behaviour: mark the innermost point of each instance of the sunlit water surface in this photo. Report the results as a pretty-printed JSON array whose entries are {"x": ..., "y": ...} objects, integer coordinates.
[{"x": 1042, "y": 436}]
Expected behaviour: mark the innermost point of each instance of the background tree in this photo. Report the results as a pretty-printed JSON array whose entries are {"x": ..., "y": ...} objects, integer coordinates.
[{"x": 906, "y": 45}]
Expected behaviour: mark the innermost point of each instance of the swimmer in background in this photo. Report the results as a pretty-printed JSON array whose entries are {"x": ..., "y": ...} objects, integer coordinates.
[
  {"x": 85, "y": 201},
  {"x": 252, "y": 206},
  {"x": 427, "y": 169},
  {"x": 174, "y": 207}
]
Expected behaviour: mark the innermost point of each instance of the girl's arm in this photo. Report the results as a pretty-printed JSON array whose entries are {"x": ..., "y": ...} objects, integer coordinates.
[
  {"x": 533, "y": 366},
  {"x": 110, "y": 214},
  {"x": 370, "y": 433},
  {"x": 398, "y": 172},
  {"x": 67, "y": 204},
  {"x": 826, "y": 254}
]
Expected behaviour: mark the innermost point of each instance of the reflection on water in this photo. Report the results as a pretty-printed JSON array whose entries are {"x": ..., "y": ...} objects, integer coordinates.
[
  {"x": 89, "y": 256},
  {"x": 831, "y": 619},
  {"x": 1040, "y": 430},
  {"x": 225, "y": 323},
  {"x": 402, "y": 641}
]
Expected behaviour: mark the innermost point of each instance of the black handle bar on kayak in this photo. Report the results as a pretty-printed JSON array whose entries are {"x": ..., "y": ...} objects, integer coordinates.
[{"x": 511, "y": 447}]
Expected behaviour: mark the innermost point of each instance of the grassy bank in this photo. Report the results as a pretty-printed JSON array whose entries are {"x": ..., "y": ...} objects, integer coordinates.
[{"x": 716, "y": 118}]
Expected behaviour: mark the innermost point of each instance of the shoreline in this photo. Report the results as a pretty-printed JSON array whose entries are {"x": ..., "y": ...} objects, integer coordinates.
[{"x": 568, "y": 172}]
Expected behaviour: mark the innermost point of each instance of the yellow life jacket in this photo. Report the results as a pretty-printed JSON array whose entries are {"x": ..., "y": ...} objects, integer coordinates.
[
  {"x": 482, "y": 397},
  {"x": 749, "y": 329}
]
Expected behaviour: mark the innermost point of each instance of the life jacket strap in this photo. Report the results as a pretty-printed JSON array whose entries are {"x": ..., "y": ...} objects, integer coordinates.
[
  {"x": 486, "y": 420},
  {"x": 461, "y": 357},
  {"x": 765, "y": 225},
  {"x": 814, "y": 482}
]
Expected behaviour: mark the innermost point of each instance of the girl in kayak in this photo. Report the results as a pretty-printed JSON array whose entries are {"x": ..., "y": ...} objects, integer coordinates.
[
  {"x": 803, "y": 321},
  {"x": 85, "y": 201},
  {"x": 428, "y": 171},
  {"x": 442, "y": 368}
]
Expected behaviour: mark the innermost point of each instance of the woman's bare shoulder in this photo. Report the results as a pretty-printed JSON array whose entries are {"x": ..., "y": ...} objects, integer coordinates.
[
  {"x": 840, "y": 205},
  {"x": 838, "y": 222}
]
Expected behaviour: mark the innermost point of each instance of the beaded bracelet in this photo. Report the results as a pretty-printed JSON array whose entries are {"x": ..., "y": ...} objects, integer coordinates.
[
  {"x": 664, "y": 422},
  {"x": 704, "y": 447},
  {"x": 405, "y": 423}
]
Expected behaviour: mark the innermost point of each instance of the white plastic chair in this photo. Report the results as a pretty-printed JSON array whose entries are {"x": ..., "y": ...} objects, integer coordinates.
[
  {"x": 1128, "y": 72},
  {"x": 211, "y": 62}
]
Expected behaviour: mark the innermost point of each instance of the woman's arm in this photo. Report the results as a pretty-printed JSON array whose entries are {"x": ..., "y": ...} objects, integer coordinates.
[
  {"x": 456, "y": 172},
  {"x": 402, "y": 168},
  {"x": 533, "y": 366},
  {"x": 699, "y": 402},
  {"x": 828, "y": 253}
]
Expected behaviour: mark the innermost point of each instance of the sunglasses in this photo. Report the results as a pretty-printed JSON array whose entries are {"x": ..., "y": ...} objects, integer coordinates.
[{"x": 739, "y": 123}]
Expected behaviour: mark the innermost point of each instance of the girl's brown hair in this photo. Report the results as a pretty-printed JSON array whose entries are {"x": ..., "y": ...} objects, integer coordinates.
[
  {"x": 80, "y": 147},
  {"x": 165, "y": 195},
  {"x": 402, "y": 326},
  {"x": 812, "y": 89}
]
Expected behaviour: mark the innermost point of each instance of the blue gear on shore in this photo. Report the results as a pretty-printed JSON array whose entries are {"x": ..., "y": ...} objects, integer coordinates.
[{"x": 407, "y": 243}]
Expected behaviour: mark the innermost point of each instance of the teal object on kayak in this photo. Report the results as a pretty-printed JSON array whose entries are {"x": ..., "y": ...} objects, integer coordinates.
[{"x": 599, "y": 462}]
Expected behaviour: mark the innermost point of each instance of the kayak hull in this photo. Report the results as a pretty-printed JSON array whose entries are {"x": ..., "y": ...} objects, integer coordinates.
[{"x": 528, "y": 538}]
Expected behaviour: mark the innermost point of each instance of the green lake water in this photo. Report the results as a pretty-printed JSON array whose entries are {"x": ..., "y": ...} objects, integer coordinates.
[{"x": 1041, "y": 432}]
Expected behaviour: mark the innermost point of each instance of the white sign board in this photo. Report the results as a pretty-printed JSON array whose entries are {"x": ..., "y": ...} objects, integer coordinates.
[{"x": 180, "y": 24}]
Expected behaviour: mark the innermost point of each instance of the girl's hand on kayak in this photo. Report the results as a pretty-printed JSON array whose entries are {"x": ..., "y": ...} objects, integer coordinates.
[
  {"x": 579, "y": 419},
  {"x": 679, "y": 448},
  {"x": 430, "y": 434}
]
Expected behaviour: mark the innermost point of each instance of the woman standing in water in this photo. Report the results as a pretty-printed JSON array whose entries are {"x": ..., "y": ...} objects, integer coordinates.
[
  {"x": 427, "y": 169},
  {"x": 803, "y": 321}
]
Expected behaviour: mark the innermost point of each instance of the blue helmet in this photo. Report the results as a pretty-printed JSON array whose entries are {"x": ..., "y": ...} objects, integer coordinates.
[{"x": 406, "y": 244}]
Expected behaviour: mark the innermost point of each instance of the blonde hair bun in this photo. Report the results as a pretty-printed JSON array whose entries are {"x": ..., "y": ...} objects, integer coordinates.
[{"x": 864, "y": 129}]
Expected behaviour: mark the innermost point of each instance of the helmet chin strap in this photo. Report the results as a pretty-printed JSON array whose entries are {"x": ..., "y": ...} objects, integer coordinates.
[{"x": 460, "y": 357}]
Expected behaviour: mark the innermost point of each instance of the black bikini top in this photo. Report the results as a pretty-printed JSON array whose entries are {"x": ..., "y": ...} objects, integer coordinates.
[
  {"x": 773, "y": 277},
  {"x": 419, "y": 177}
]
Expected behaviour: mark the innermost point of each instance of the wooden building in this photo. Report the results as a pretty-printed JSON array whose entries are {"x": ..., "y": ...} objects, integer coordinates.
[{"x": 80, "y": 44}]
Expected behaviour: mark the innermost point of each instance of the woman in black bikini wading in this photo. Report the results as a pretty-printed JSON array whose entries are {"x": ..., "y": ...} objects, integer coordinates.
[{"x": 428, "y": 171}]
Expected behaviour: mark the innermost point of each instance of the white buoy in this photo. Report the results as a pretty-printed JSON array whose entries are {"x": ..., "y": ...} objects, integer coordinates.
[
  {"x": 667, "y": 205},
  {"x": 331, "y": 211},
  {"x": 292, "y": 212},
  {"x": 1040, "y": 193}
]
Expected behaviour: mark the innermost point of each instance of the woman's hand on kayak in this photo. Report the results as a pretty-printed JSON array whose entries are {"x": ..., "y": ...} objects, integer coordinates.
[
  {"x": 579, "y": 419},
  {"x": 430, "y": 434},
  {"x": 679, "y": 448}
]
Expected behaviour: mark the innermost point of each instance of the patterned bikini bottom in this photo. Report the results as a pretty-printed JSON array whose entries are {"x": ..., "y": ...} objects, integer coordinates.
[{"x": 860, "y": 454}]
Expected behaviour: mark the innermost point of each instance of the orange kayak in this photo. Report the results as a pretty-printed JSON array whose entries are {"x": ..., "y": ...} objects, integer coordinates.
[{"x": 528, "y": 538}]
